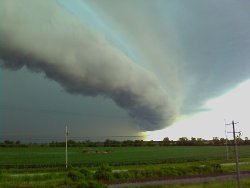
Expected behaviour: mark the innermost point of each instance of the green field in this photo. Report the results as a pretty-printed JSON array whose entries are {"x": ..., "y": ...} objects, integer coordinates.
[
  {"x": 134, "y": 163},
  {"x": 52, "y": 156}
]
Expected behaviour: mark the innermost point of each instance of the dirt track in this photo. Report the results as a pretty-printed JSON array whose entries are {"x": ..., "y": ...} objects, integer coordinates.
[{"x": 183, "y": 180}]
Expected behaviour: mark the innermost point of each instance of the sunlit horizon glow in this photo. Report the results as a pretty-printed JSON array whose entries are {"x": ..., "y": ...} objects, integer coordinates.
[{"x": 233, "y": 105}]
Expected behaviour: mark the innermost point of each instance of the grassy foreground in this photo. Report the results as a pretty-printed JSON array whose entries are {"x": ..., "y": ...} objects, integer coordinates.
[
  {"x": 125, "y": 164},
  {"x": 96, "y": 177}
]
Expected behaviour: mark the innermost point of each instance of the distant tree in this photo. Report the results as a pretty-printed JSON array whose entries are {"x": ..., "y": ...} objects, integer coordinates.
[
  {"x": 239, "y": 140},
  {"x": 113, "y": 143},
  {"x": 72, "y": 143},
  {"x": 151, "y": 143},
  {"x": 116, "y": 143},
  {"x": 8, "y": 142},
  {"x": 127, "y": 143},
  {"x": 88, "y": 143},
  {"x": 138, "y": 143},
  {"x": 222, "y": 141},
  {"x": 200, "y": 141},
  {"x": 107, "y": 143},
  {"x": 166, "y": 141},
  {"x": 183, "y": 141},
  {"x": 193, "y": 141},
  {"x": 216, "y": 141},
  {"x": 246, "y": 141}
]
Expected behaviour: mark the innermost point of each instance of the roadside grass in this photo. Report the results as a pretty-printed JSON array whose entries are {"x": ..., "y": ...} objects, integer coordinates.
[
  {"x": 48, "y": 180},
  {"x": 226, "y": 165},
  {"x": 73, "y": 177},
  {"x": 87, "y": 177}
]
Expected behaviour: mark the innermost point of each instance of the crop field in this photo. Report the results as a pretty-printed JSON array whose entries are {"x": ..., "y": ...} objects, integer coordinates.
[
  {"x": 91, "y": 156},
  {"x": 93, "y": 166}
]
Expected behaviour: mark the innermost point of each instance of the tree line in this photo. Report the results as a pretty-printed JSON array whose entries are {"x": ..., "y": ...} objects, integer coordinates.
[{"x": 183, "y": 141}]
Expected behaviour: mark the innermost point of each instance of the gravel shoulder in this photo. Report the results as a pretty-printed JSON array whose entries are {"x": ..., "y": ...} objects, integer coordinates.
[{"x": 180, "y": 180}]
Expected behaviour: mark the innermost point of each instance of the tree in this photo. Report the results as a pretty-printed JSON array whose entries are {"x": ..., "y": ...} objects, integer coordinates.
[
  {"x": 166, "y": 141},
  {"x": 127, "y": 143},
  {"x": 193, "y": 141},
  {"x": 107, "y": 143},
  {"x": 183, "y": 141},
  {"x": 216, "y": 141},
  {"x": 239, "y": 140},
  {"x": 138, "y": 143},
  {"x": 222, "y": 141},
  {"x": 8, "y": 142},
  {"x": 150, "y": 143},
  {"x": 72, "y": 143},
  {"x": 200, "y": 141},
  {"x": 246, "y": 141}
]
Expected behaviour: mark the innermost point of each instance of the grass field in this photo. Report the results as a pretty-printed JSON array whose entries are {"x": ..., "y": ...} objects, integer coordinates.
[
  {"x": 134, "y": 163},
  {"x": 50, "y": 156}
]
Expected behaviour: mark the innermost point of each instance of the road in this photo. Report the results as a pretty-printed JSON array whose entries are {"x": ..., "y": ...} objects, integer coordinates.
[{"x": 178, "y": 180}]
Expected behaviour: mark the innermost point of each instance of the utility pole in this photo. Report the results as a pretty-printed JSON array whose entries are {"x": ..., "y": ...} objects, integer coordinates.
[
  {"x": 236, "y": 153},
  {"x": 66, "y": 146}
]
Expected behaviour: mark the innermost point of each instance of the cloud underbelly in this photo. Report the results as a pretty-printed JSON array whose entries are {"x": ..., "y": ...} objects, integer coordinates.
[{"x": 50, "y": 40}]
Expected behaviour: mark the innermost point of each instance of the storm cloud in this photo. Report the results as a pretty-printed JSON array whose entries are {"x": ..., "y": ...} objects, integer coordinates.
[
  {"x": 45, "y": 38},
  {"x": 199, "y": 50},
  {"x": 157, "y": 60}
]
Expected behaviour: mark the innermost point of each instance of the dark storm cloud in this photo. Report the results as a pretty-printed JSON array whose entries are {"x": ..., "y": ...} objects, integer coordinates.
[
  {"x": 45, "y": 38},
  {"x": 193, "y": 50}
]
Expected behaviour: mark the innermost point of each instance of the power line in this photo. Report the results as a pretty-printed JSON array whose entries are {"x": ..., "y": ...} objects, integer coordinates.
[
  {"x": 66, "y": 146},
  {"x": 236, "y": 152}
]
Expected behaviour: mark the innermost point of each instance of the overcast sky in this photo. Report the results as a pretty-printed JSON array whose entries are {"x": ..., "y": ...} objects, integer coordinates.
[{"x": 117, "y": 68}]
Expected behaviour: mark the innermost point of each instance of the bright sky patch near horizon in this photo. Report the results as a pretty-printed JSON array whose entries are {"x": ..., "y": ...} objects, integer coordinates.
[
  {"x": 211, "y": 123},
  {"x": 118, "y": 68}
]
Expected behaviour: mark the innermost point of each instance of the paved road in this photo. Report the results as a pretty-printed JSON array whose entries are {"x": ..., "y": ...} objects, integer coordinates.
[{"x": 180, "y": 180}]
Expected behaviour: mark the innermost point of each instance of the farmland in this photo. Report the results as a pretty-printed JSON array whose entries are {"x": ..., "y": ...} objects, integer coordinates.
[
  {"x": 43, "y": 166},
  {"x": 92, "y": 156}
]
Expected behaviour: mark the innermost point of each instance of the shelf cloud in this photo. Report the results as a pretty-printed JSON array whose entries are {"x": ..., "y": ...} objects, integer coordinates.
[
  {"x": 43, "y": 37},
  {"x": 157, "y": 60}
]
